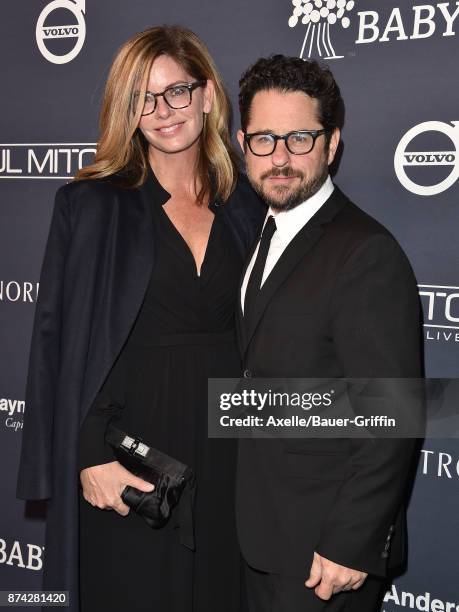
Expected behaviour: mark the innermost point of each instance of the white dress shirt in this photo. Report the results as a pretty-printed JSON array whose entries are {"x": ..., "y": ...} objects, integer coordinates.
[{"x": 288, "y": 224}]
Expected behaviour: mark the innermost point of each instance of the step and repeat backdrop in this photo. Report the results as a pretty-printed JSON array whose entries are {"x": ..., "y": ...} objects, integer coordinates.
[{"x": 396, "y": 63}]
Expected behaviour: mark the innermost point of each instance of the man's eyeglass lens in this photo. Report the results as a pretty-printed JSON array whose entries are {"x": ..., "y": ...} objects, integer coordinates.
[{"x": 297, "y": 143}]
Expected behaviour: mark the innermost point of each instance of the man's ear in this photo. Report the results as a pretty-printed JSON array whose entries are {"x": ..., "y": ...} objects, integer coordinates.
[
  {"x": 240, "y": 139},
  {"x": 333, "y": 145}
]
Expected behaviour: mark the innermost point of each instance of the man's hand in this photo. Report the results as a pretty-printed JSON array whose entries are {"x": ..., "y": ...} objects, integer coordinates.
[
  {"x": 103, "y": 484},
  {"x": 329, "y": 578}
]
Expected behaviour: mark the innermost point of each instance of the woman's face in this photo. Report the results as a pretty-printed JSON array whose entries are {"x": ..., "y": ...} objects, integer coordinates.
[{"x": 173, "y": 130}]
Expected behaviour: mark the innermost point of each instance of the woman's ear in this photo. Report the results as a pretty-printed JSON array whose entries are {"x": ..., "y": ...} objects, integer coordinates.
[{"x": 209, "y": 93}]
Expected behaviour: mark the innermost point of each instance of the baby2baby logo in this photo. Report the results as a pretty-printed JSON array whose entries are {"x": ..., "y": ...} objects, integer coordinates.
[{"x": 383, "y": 23}]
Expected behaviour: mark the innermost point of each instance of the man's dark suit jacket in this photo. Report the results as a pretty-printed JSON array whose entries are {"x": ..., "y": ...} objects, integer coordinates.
[{"x": 341, "y": 301}]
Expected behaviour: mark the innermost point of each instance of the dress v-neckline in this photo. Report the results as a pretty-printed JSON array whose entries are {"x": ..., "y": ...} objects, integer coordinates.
[{"x": 198, "y": 273}]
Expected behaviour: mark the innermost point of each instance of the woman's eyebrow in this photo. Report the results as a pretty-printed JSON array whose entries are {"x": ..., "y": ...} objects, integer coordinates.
[{"x": 180, "y": 82}]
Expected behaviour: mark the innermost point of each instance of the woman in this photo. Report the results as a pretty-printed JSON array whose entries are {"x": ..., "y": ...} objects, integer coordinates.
[{"x": 136, "y": 311}]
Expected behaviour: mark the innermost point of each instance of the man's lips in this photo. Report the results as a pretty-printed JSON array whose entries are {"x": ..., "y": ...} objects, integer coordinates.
[
  {"x": 281, "y": 178},
  {"x": 282, "y": 175}
]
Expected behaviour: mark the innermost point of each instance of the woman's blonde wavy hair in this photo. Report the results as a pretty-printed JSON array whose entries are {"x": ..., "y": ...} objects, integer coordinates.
[{"x": 123, "y": 149}]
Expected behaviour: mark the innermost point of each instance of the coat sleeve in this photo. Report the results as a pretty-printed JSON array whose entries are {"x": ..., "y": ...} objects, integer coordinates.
[
  {"x": 107, "y": 406},
  {"x": 376, "y": 330},
  {"x": 35, "y": 467}
]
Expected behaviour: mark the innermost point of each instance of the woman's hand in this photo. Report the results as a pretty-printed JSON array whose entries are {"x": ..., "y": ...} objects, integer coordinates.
[{"x": 103, "y": 485}]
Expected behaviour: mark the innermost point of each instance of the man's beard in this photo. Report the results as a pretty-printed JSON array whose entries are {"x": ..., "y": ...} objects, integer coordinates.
[{"x": 304, "y": 191}]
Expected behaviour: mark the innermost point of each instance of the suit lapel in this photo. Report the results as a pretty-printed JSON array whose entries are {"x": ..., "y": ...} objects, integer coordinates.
[
  {"x": 240, "y": 327},
  {"x": 290, "y": 258},
  {"x": 294, "y": 253}
]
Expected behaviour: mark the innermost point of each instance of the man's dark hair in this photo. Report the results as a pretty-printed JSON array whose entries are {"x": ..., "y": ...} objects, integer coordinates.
[{"x": 293, "y": 74}]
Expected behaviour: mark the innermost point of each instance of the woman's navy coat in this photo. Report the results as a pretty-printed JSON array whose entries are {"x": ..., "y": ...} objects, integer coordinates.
[{"x": 96, "y": 268}]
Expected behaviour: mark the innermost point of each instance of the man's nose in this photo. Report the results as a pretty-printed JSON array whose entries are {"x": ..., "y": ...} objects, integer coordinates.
[{"x": 281, "y": 156}]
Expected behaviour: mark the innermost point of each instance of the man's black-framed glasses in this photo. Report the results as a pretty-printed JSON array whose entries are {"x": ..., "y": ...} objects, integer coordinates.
[
  {"x": 298, "y": 142},
  {"x": 176, "y": 96}
]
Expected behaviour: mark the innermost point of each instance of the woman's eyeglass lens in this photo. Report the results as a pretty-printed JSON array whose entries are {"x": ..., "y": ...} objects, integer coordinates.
[{"x": 177, "y": 96}]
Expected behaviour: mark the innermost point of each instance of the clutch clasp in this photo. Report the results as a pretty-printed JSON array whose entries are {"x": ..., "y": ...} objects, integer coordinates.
[{"x": 135, "y": 446}]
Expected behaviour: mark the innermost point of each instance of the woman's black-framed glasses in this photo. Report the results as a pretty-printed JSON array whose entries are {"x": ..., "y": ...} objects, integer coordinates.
[
  {"x": 176, "y": 96},
  {"x": 298, "y": 142}
]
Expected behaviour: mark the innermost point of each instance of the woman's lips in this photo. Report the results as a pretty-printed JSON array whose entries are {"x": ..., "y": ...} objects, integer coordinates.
[{"x": 169, "y": 130}]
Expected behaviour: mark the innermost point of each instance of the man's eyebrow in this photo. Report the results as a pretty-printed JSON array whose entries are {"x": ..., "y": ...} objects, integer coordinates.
[{"x": 268, "y": 131}]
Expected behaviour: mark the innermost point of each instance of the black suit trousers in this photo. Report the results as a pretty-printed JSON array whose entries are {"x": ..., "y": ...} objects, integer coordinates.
[{"x": 281, "y": 593}]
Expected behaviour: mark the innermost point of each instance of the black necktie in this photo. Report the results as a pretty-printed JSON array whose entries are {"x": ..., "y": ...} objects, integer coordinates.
[{"x": 253, "y": 286}]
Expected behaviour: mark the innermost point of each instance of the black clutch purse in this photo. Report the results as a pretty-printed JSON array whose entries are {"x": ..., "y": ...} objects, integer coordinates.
[{"x": 172, "y": 479}]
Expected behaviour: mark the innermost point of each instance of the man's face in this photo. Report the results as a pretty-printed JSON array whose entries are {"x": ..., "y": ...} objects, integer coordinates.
[{"x": 284, "y": 179}]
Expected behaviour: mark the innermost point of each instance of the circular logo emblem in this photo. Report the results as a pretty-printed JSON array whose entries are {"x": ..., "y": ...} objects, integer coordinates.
[
  {"x": 77, "y": 30},
  {"x": 404, "y": 158}
]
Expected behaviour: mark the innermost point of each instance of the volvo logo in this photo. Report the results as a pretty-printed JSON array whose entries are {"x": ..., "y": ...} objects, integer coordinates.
[
  {"x": 404, "y": 158},
  {"x": 45, "y": 32}
]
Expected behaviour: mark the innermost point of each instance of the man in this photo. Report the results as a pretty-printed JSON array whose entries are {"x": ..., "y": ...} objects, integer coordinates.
[{"x": 327, "y": 292}]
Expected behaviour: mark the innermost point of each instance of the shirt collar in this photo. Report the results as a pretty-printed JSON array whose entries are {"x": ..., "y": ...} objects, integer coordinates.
[
  {"x": 156, "y": 190},
  {"x": 289, "y": 222},
  {"x": 161, "y": 196}
]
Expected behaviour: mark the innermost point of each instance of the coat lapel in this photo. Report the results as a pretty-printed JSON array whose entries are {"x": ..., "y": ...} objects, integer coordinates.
[
  {"x": 295, "y": 252},
  {"x": 240, "y": 327},
  {"x": 125, "y": 277}
]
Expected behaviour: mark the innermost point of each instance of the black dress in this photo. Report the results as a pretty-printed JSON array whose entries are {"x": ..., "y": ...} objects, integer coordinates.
[{"x": 184, "y": 334}]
